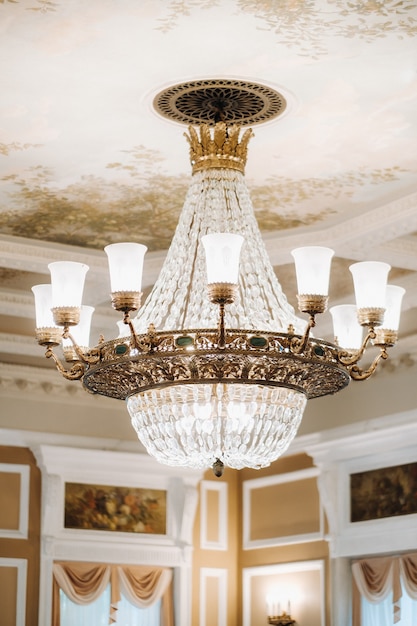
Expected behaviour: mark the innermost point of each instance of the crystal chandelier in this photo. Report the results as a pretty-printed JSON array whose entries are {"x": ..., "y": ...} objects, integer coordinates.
[{"x": 216, "y": 368}]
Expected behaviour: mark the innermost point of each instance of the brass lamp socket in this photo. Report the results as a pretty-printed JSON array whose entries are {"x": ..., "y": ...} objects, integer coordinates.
[
  {"x": 66, "y": 315},
  {"x": 371, "y": 316},
  {"x": 312, "y": 303},
  {"x": 48, "y": 336},
  {"x": 385, "y": 337},
  {"x": 222, "y": 293},
  {"x": 70, "y": 354},
  {"x": 126, "y": 300}
]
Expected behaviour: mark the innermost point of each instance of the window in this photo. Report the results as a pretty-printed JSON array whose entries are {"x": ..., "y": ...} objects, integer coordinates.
[
  {"x": 97, "y": 612},
  {"x": 381, "y": 614},
  {"x": 99, "y": 594},
  {"x": 385, "y": 590}
]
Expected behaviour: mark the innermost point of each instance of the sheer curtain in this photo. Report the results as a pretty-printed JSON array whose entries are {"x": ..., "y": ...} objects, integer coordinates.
[
  {"x": 97, "y": 612},
  {"x": 130, "y": 615},
  {"x": 86, "y": 584},
  {"x": 384, "y": 582},
  {"x": 381, "y": 614}
]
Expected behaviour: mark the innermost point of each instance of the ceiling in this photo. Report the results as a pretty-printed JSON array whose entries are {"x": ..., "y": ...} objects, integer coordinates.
[{"x": 85, "y": 160}]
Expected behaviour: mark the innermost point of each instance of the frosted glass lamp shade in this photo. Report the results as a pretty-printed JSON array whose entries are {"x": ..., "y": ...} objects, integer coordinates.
[
  {"x": 347, "y": 330},
  {"x": 81, "y": 332},
  {"x": 394, "y": 296},
  {"x": 125, "y": 266},
  {"x": 124, "y": 330},
  {"x": 222, "y": 257},
  {"x": 67, "y": 278},
  {"x": 370, "y": 282},
  {"x": 43, "y": 306},
  {"x": 312, "y": 266}
]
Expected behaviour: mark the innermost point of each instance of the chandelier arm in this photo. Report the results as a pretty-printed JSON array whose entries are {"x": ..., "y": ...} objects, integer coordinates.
[
  {"x": 76, "y": 372},
  {"x": 299, "y": 344},
  {"x": 356, "y": 373},
  {"x": 133, "y": 335},
  {"x": 145, "y": 343},
  {"x": 351, "y": 358},
  {"x": 222, "y": 332},
  {"x": 92, "y": 357}
]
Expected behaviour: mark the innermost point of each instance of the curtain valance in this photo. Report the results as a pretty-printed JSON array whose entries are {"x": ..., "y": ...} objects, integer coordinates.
[
  {"x": 83, "y": 583},
  {"x": 376, "y": 578}
]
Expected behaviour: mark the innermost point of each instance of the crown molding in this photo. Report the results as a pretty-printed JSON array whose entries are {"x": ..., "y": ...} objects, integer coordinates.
[
  {"x": 351, "y": 237},
  {"x": 29, "y": 255},
  {"x": 45, "y": 384},
  {"x": 21, "y": 304},
  {"x": 355, "y": 238}
]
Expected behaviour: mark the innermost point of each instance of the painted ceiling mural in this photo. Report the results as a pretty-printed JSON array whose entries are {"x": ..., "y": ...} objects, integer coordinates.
[
  {"x": 77, "y": 101},
  {"x": 85, "y": 160}
]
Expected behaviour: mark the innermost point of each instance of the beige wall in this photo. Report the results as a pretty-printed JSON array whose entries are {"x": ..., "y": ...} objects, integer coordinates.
[
  {"x": 226, "y": 559},
  {"x": 268, "y": 506},
  {"x": 27, "y": 550},
  {"x": 274, "y": 503},
  {"x": 232, "y": 559},
  {"x": 391, "y": 391}
]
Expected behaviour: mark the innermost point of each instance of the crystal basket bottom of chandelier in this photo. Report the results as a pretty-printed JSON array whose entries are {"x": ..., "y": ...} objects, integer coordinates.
[{"x": 194, "y": 425}]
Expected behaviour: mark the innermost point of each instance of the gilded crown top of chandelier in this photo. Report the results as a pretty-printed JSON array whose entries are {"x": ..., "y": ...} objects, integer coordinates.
[
  {"x": 220, "y": 107},
  {"x": 218, "y": 147}
]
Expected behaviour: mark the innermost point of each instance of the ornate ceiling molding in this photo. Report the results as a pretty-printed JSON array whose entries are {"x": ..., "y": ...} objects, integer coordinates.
[
  {"x": 354, "y": 238},
  {"x": 34, "y": 256},
  {"x": 22, "y": 380}
]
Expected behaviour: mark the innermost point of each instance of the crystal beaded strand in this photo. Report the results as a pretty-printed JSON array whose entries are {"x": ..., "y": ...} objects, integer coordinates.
[{"x": 218, "y": 200}]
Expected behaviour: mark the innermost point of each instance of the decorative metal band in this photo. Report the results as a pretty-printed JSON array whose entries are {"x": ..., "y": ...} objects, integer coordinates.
[
  {"x": 49, "y": 336},
  {"x": 126, "y": 300},
  {"x": 196, "y": 357},
  {"x": 218, "y": 147},
  {"x": 312, "y": 303},
  {"x": 222, "y": 293},
  {"x": 66, "y": 315},
  {"x": 371, "y": 316},
  {"x": 212, "y": 100},
  {"x": 385, "y": 337},
  {"x": 219, "y": 161},
  {"x": 70, "y": 353}
]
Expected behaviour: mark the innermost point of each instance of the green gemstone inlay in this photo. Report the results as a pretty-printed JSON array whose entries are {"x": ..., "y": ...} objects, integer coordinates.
[
  {"x": 258, "y": 342},
  {"x": 318, "y": 350},
  {"x": 181, "y": 342},
  {"x": 121, "y": 348}
]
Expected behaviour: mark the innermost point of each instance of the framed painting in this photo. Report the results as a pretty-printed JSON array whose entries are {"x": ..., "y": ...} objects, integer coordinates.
[
  {"x": 120, "y": 509},
  {"x": 386, "y": 492}
]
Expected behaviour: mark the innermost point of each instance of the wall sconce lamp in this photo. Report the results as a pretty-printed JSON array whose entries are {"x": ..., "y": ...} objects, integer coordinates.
[
  {"x": 276, "y": 617},
  {"x": 281, "y": 620}
]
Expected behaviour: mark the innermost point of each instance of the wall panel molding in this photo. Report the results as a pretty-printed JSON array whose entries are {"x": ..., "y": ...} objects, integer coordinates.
[
  {"x": 21, "y": 566},
  {"x": 22, "y": 532},
  {"x": 221, "y": 576},
  {"x": 221, "y": 489},
  {"x": 249, "y": 486},
  {"x": 300, "y": 597}
]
